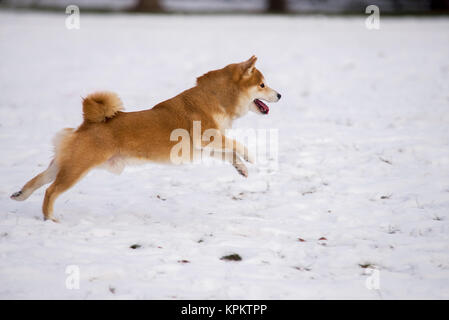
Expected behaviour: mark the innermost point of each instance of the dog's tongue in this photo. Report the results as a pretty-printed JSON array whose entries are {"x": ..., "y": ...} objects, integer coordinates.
[{"x": 262, "y": 106}]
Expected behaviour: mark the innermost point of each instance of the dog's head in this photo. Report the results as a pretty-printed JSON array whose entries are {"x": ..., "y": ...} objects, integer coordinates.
[
  {"x": 240, "y": 87},
  {"x": 253, "y": 88}
]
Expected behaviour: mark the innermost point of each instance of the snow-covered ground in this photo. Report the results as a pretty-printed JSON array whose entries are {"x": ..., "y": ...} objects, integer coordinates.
[{"x": 363, "y": 161}]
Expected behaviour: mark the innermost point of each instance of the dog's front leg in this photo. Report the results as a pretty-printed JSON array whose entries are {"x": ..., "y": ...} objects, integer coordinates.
[
  {"x": 224, "y": 148},
  {"x": 237, "y": 147},
  {"x": 232, "y": 158},
  {"x": 228, "y": 150}
]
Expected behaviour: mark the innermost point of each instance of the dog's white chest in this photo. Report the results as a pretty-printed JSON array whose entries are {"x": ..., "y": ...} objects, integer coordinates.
[{"x": 223, "y": 121}]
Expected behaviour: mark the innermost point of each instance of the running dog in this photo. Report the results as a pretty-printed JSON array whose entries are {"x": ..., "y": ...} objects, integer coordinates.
[{"x": 111, "y": 138}]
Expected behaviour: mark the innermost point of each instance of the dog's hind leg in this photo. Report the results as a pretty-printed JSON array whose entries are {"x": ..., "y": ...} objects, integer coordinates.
[
  {"x": 65, "y": 179},
  {"x": 71, "y": 170},
  {"x": 38, "y": 181}
]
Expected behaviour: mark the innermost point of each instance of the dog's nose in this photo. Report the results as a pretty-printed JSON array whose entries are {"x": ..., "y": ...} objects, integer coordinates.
[{"x": 279, "y": 96}]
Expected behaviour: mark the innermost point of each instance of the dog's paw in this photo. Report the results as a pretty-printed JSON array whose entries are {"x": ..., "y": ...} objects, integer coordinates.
[
  {"x": 241, "y": 168},
  {"x": 18, "y": 196},
  {"x": 53, "y": 219}
]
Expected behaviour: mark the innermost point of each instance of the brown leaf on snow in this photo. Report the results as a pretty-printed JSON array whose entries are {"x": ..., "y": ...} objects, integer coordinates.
[{"x": 183, "y": 261}]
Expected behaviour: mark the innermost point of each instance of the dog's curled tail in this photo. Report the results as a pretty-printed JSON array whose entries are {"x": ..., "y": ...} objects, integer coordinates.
[{"x": 99, "y": 106}]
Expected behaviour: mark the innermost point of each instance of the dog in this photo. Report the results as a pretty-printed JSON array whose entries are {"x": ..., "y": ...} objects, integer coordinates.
[{"x": 110, "y": 137}]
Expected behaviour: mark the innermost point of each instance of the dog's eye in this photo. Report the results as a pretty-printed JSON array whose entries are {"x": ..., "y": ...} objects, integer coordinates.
[{"x": 262, "y": 85}]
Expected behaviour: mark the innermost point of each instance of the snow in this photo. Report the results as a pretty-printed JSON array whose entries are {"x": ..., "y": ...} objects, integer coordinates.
[{"x": 363, "y": 161}]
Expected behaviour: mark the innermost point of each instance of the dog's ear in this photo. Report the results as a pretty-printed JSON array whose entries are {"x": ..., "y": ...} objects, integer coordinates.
[{"x": 248, "y": 66}]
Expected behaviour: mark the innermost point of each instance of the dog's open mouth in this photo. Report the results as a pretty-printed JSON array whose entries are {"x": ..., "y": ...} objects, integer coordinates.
[{"x": 263, "y": 108}]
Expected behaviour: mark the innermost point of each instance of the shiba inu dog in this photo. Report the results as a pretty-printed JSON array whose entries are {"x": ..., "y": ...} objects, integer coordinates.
[{"x": 110, "y": 138}]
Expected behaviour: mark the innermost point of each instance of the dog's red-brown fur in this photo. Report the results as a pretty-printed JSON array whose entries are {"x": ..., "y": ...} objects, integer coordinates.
[{"x": 109, "y": 134}]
